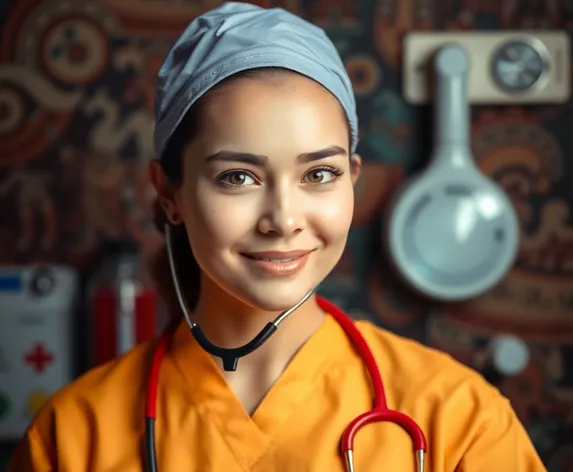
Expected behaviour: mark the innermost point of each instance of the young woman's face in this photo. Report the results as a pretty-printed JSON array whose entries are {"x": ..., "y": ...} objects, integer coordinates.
[{"x": 267, "y": 189}]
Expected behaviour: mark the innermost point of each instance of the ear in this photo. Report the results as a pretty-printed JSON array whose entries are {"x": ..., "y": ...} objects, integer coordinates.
[
  {"x": 165, "y": 191},
  {"x": 355, "y": 168}
]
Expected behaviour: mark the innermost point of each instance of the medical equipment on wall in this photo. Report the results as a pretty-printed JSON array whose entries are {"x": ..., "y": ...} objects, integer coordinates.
[
  {"x": 123, "y": 304},
  {"x": 379, "y": 412},
  {"x": 509, "y": 354},
  {"x": 36, "y": 340},
  {"x": 508, "y": 67},
  {"x": 452, "y": 232}
]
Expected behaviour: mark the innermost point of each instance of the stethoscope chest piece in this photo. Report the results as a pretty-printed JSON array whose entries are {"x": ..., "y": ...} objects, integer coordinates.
[{"x": 452, "y": 233}]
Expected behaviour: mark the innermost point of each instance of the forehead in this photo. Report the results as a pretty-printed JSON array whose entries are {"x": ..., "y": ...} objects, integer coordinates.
[{"x": 267, "y": 115}]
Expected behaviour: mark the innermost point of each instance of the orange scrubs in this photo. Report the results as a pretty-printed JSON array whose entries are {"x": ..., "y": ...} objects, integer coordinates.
[{"x": 96, "y": 423}]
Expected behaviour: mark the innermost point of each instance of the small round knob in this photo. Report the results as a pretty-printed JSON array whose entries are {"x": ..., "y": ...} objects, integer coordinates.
[
  {"x": 510, "y": 355},
  {"x": 42, "y": 282},
  {"x": 452, "y": 60}
]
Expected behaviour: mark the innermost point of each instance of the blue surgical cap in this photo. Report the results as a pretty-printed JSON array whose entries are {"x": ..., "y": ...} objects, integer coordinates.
[{"x": 236, "y": 37}]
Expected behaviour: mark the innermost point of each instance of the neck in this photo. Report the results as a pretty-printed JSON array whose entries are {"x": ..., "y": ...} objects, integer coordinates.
[{"x": 229, "y": 323}]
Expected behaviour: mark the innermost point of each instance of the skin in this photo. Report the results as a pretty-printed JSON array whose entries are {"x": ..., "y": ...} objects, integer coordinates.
[{"x": 285, "y": 202}]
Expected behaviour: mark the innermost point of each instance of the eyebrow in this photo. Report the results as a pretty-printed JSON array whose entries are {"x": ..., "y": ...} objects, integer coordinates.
[{"x": 260, "y": 160}]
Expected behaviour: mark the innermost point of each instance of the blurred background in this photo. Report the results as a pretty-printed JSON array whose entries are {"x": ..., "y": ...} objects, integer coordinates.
[{"x": 76, "y": 124}]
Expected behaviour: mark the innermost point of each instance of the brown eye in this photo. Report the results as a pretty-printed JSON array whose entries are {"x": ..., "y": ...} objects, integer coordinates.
[
  {"x": 315, "y": 176},
  {"x": 322, "y": 175},
  {"x": 236, "y": 179}
]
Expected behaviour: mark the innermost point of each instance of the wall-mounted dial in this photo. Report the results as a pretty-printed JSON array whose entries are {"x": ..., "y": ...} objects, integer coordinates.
[{"x": 519, "y": 66}]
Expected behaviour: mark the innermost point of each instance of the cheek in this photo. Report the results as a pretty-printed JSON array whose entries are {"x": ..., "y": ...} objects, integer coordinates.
[
  {"x": 216, "y": 221},
  {"x": 333, "y": 215}
]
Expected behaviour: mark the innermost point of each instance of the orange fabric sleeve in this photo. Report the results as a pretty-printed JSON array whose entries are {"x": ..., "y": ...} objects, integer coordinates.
[
  {"x": 501, "y": 444},
  {"x": 30, "y": 455}
]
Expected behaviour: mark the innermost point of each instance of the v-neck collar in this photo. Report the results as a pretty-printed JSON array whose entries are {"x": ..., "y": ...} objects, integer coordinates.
[{"x": 210, "y": 393}]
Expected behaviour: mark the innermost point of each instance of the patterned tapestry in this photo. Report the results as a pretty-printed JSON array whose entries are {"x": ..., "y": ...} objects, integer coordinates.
[{"x": 76, "y": 118}]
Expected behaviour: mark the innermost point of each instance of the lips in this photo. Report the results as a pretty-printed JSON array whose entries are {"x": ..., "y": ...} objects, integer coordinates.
[
  {"x": 277, "y": 256},
  {"x": 278, "y": 263}
]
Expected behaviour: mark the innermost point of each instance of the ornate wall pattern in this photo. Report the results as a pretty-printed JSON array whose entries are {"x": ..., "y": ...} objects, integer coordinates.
[{"x": 76, "y": 118}]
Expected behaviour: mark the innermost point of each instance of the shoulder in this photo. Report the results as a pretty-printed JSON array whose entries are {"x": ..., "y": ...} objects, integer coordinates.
[
  {"x": 127, "y": 372},
  {"x": 410, "y": 365},
  {"x": 453, "y": 402},
  {"x": 470, "y": 424},
  {"x": 115, "y": 388}
]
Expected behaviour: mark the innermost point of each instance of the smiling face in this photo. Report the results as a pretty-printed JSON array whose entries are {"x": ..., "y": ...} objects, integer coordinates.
[{"x": 266, "y": 193}]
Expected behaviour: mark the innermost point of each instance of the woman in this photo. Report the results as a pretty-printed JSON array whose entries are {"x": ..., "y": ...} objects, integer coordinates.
[{"x": 256, "y": 133}]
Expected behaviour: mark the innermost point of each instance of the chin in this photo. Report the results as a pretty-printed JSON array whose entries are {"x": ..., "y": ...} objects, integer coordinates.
[{"x": 276, "y": 299}]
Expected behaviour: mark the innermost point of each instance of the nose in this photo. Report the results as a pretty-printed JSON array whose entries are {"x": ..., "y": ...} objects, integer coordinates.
[{"x": 282, "y": 216}]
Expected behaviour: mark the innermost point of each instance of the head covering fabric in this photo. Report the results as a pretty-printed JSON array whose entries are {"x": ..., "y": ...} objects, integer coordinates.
[{"x": 236, "y": 37}]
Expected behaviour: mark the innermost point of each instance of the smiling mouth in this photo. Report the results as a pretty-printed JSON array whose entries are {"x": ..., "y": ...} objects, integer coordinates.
[
  {"x": 278, "y": 263},
  {"x": 270, "y": 260}
]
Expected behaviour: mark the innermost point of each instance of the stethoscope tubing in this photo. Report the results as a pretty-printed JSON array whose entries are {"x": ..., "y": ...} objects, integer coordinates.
[{"x": 379, "y": 412}]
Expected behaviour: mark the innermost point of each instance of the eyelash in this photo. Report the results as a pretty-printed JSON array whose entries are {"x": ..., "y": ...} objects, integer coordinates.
[
  {"x": 337, "y": 173},
  {"x": 333, "y": 170}
]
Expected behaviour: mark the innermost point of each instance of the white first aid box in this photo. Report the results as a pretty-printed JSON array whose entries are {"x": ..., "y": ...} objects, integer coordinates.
[{"x": 37, "y": 306}]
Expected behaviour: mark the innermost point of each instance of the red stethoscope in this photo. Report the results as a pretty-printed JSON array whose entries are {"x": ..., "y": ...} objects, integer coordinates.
[{"x": 379, "y": 412}]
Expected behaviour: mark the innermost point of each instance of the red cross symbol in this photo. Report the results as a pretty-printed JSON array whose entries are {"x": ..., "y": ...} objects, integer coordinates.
[{"x": 39, "y": 358}]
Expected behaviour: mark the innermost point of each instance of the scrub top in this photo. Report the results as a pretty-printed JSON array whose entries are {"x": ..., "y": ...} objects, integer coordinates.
[{"x": 97, "y": 422}]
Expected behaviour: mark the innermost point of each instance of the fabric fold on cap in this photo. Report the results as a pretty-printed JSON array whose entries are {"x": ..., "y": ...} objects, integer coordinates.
[{"x": 236, "y": 37}]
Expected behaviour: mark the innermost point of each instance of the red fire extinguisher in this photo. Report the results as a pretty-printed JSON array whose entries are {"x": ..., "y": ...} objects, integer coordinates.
[{"x": 123, "y": 305}]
